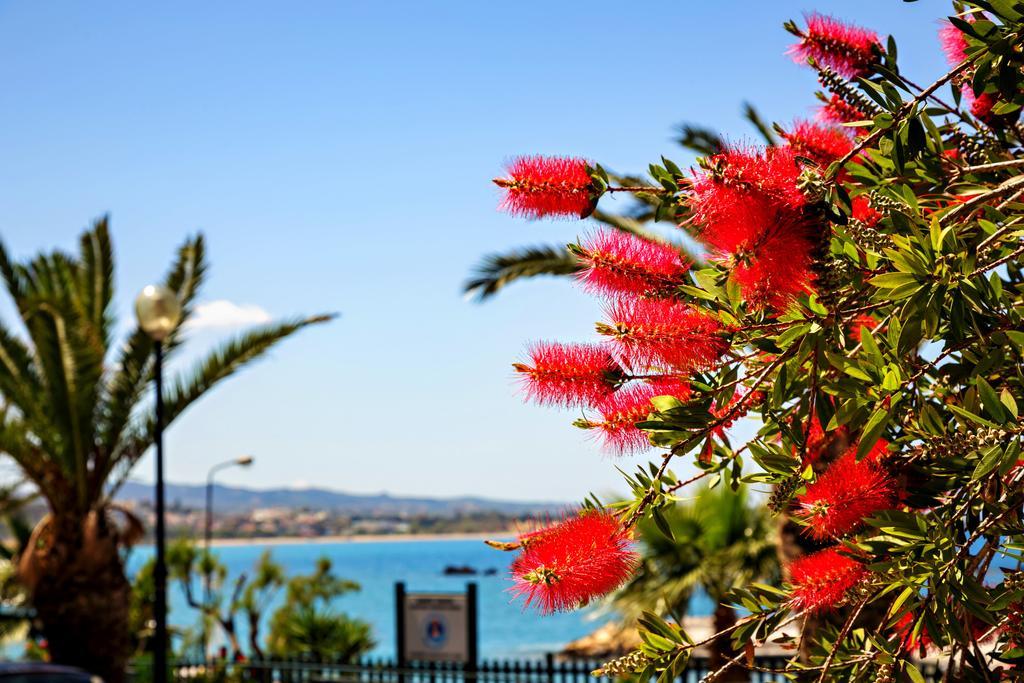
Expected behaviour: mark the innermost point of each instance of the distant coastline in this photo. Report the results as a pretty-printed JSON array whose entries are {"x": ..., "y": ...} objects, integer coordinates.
[{"x": 360, "y": 538}]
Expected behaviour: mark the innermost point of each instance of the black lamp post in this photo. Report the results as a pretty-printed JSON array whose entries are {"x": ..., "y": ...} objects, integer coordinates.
[
  {"x": 240, "y": 461},
  {"x": 159, "y": 312}
]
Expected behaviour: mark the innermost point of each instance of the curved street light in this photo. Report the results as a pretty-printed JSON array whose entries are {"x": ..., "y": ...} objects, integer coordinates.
[
  {"x": 240, "y": 461},
  {"x": 159, "y": 312}
]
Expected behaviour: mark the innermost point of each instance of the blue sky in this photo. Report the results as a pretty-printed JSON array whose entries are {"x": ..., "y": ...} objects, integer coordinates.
[{"x": 337, "y": 156}]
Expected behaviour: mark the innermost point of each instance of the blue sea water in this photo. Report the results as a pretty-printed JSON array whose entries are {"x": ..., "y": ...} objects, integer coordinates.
[{"x": 506, "y": 628}]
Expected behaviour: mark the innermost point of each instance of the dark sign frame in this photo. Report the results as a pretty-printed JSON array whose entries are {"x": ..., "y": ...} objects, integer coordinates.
[{"x": 472, "y": 629}]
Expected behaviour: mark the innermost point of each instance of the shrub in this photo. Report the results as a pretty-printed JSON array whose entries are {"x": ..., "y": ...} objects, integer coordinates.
[{"x": 860, "y": 295}]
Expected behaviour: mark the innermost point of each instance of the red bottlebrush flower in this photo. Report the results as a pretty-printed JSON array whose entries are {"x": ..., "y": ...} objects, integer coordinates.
[
  {"x": 662, "y": 332},
  {"x": 620, "y": 263},
  {"x": 837, "y": 110},
  {"x": 905, "y": 630},
  {"x": 847, "y": 492},
  {"x": 821, "y": 580},
  {"x": 768, "y": 252},
  {"x": 670, "y": 385},
  {"x": 567, "y": 565},
  {"x": 819, "y": 143},
  {"x": 819, "y": 441},
  {"x": 771, "y": 174},
  {"x": 1014, "y": 625},
  {"x": 775, "y": 268},
  {"x": 981, "y": 108},
  {"x": 538, "y": 186},
  {"x": 864, "y": 212},
  {"x": 954, "y": 42},
  {"x": 569, "y": 374},
  {"x": 621, "y": 411},
  {"x": 750, "y": 213},
  {"x": 849, "y": 50}
]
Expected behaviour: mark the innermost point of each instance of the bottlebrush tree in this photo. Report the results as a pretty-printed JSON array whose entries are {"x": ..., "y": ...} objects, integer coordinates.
[{"x": 859, "y": 295}]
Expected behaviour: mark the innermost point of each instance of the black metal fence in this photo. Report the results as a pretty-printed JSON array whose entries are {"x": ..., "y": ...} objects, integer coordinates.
[{"x": 547, "y": 670}]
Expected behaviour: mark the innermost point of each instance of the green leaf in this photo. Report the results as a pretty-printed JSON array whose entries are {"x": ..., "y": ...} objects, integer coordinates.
[
  {"x": 663, "y": 526},
  {"x": 1006, "y": 398},
  {"x": 989, "y": 461},
  {"x": 894, "y": 608},
  {"x": 1004, "y": 108},
  {"x": 971, "y": 417},
  {"x": 909, "y": 337},
  {"x": 867, "y": 340},
  {"x": 857, "y": 373},
  {"x": 913, "y": 672},
  {"x": 655, "y": 624},
  {"x": 993, "y": 406},
  {"x": 790, "y": 335},
  {"x": 893, "y": 280},
  {"x": 666, "y": 403},
  {"x": 872, "y": 431}
]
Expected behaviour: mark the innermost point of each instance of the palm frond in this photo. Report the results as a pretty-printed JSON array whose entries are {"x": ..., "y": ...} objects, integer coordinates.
[
  {"x": 703, "y": 141},
  {"x": 752, "y": 115},
  {"x": 229, "y": 359},
  {"x": 96, "y": 278},
  {"x": 17, "y": 443},
  {"x": 626, "y": 223},
  {"x": 497, "y": 271},
  {"x": 719, "y": 541},
  {"x": 20, "y": 384},
  {"x": 186, "y": 390},
  {"x": 12, "y": 276},
  {"x": 69, "y": 353},
  {"x": 133, "y": 368},
  {"x": 188, "y": 274}
]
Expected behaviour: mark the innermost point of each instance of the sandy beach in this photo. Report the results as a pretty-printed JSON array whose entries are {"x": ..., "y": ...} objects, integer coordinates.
[{"x": 361, "y": 538}]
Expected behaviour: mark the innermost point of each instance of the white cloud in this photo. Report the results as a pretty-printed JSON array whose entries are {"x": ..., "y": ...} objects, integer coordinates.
[{"x": 225, "y": 314}]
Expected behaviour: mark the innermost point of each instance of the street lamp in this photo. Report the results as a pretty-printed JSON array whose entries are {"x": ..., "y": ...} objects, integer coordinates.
[
  {"x": 159, "y": 312},
  {"x": 240, "y": 461}
]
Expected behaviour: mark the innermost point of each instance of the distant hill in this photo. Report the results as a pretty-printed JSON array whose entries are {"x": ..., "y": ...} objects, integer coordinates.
[{"x": 236, "y": 499}]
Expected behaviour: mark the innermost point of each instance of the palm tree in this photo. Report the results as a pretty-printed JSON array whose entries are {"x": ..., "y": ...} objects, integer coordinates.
[
  {"x": 719, "y": 542},
  {"x": 268, "y": 578},
  {"x": 185, "y": 562},
  {"x": 70, "y": 419},
  {"x": 306, "y": 625},
  {"x": 321, "y": 634}
]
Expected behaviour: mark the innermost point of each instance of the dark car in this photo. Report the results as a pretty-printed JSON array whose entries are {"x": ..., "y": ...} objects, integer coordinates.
[{"x": 39, "y": 672}]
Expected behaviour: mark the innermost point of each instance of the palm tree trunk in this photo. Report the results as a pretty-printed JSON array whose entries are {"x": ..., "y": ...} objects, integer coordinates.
[
  {"x": 720, "y": 650},
  {"x": 81, "y": 597},
  {"x": 227, "y": 624},
  {"x": 255, "y": 651}
]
